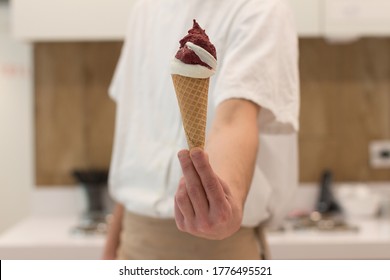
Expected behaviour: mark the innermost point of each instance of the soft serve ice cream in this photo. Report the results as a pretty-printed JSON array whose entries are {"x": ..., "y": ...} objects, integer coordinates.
[
  {"x": 196, "y": 57},
  {"x": 193, "y": 65}
]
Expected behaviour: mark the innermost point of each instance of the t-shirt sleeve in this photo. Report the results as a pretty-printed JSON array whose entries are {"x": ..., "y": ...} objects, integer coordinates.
[{"x": 260, "y": 64}]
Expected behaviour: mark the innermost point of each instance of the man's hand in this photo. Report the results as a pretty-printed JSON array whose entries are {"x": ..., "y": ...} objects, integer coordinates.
[{"x": 204, "y": 204}]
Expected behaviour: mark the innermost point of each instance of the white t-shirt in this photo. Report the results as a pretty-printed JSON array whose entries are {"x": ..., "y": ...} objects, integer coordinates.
[{"x": 257, "y": 60}]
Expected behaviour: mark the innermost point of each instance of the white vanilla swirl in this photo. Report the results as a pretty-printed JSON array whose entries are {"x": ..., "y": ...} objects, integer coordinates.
[{"x": 195, "y": 70}]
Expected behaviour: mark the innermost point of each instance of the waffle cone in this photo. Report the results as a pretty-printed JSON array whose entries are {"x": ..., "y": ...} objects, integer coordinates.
[{"x": 192, "y": 96}]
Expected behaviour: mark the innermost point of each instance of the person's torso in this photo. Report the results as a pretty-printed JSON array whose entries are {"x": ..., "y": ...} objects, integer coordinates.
[{"x": 145, "y": 171}]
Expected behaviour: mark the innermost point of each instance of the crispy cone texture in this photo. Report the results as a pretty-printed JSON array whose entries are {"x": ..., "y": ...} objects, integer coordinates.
[{"x": 192, "y": 96}]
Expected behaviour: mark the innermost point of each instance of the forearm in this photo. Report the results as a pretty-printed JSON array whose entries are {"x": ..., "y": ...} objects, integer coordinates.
[
  {"x": 113, "y": 235},
  {"x": 232, "y": 145}
]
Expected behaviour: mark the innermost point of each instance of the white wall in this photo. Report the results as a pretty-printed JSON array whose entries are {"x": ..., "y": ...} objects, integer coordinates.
[
  {"x": 16, "y": 125},
  {"x": 70, "y": 20}
]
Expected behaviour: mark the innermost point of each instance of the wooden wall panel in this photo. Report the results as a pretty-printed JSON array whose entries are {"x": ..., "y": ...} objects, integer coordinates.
[
  {"x": 345, "y": 104},
  {"x": 345, "y": 90},
  {"x": 100, "y": 61},
  {"x": 74, "y": 115}
]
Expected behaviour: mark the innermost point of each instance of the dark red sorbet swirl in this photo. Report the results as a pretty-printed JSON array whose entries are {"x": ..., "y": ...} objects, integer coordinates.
[{"x": 199, "y": 37}]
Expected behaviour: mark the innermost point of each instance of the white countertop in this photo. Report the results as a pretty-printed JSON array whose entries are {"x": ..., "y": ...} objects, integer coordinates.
[
  {"x": 51, "y": 238},
  {"x": 371, "y": 241},
  {"x": 41, "y": 236}
]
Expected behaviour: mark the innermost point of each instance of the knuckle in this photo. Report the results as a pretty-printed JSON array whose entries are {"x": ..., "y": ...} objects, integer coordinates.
[
  {"x": 223, "y": 215},
  {"x": 186, "y": 162},
  {"x": 182, "y": 185},
  {"x": 180, "y": 224},
  {"x": 202, "y": 165},
  {"x": 211, "y": 183},
  {"x": 216, "y": 195},
  {"x": 193, "y": 191},
  {"x": 182, "y": 182},
  {"x": 181, "y": 197},
  {"x": 205, "y": 226},
  {"x": 190, "y": 228}
]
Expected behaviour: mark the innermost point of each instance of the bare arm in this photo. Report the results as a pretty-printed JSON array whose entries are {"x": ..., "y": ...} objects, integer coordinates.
[
  {"x": 233, "y": 142},
  {"x": 113, "y": 236},
  {"x": 210, "y": 197}
]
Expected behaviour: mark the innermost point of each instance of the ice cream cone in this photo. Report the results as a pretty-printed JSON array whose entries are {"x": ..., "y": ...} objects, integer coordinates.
[
  {"x": 193, "y": 65},
  {"x": 192, "y": 94}
]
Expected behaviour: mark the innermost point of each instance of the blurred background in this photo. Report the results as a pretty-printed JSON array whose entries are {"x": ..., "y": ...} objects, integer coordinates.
[{"x": 56, "y": 62}]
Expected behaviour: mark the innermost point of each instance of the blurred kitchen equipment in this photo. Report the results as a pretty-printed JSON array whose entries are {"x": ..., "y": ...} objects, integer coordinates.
[
  {"x": 316, "y": 221},
  {"x": 94, "y": 184},
  {"x": 327, "y": 215},
  {"x": 327, "y": 203},
  {"x": 359, "y": 201},
  {"x": 385, "y": 208}
]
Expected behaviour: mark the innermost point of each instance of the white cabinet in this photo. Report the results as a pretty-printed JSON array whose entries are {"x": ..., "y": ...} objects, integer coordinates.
[
  {"x": 57, "y": 20},
  {"x": 75, "y": 20},
  {"x": 307, "y": 17},
  {"x": 356, "y": 18}
]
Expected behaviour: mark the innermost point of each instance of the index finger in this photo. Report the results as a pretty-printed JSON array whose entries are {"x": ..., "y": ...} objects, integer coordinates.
[
  {"x": 193, "y": 184},
  {"x": 210, "y": 182}
]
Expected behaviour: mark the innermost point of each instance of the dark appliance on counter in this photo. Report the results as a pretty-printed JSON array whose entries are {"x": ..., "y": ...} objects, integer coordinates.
[
  {"x": 94, "y": 184},
  {"x": 327, "y": 203},
  {"x": 327, "y": 214}
]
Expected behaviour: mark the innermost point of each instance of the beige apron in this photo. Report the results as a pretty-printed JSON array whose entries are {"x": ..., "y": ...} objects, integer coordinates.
[{"x": 145, "y": 238}]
